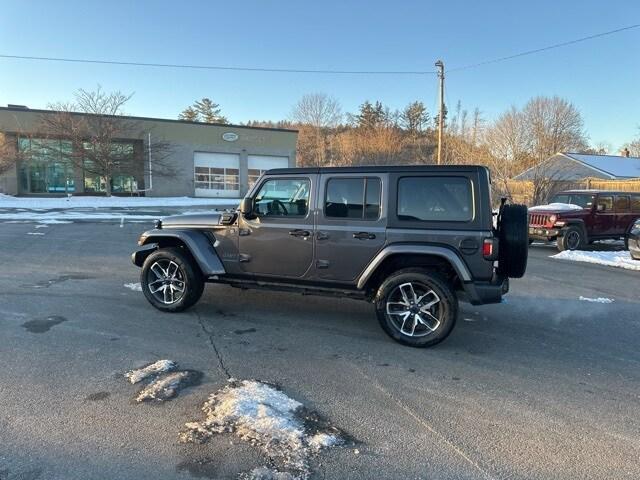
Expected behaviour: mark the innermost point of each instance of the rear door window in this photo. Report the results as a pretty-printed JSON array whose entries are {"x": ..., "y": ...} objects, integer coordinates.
[
  {"x": 622, "y": 204},
  {"x": 354, "y": 198},
  {"x": 635, "y": 203},
  {"x": 446, "y": 199},
  {"x": 605, "y": 204}
]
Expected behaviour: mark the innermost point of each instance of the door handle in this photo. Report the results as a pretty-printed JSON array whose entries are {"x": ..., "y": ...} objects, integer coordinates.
[
  {"x": 300, "y": 233},
  {"x": 364, "y": 236}
]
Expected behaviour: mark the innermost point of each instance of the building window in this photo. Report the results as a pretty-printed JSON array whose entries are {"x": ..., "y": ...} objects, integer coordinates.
[
  {"x": 122, "y": 158},
  {"x": 217, "y": 178},
  {"x": 46, "y": 168},
  {"x": 253, "y": 175}
]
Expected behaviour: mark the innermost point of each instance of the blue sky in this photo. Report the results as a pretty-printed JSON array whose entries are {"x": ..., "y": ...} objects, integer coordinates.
[{"x": 601, "y": 77}]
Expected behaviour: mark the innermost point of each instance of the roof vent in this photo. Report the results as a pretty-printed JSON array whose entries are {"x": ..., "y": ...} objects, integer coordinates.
[
  {"x": 625, "y": 152},
  {"x": 19, "y": 107}
]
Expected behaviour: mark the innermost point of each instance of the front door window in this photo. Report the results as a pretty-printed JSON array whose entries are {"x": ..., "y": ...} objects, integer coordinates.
[{"x": 283, "y": 197}]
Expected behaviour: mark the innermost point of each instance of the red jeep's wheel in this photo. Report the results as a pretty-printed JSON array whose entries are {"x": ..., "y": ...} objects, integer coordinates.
[{"x": 573, "y": 239}]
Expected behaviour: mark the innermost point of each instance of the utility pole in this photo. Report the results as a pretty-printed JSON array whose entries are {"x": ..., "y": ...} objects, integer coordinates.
[{"x": 440, "y": 66}]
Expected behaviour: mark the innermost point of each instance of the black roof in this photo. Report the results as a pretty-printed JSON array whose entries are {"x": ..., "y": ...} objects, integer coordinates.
[
  {"x": 23, "y": 109},
  {"x": 376, "y": 169}
]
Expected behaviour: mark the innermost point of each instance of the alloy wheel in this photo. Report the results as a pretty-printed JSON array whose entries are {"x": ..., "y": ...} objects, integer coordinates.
[
  {"x": 414, "y": 309},
  {"x": 166, "y": 281}
]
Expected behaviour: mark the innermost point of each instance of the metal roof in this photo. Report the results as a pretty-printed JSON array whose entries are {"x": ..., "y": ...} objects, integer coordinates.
[{"x": 614, "y": 165}]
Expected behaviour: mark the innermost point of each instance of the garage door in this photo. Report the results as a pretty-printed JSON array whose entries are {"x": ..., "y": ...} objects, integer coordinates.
[
  {"x": 258, "y": 164},
  {"x": 216, "y": 174}
]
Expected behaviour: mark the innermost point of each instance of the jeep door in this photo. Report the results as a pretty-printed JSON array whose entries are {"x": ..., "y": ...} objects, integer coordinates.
[
  {"x": 624, "y": 217},
  {"x": 604, "y": 217},
  {"x": 351, "y": 224},
  {"x": 277, "y": 238}
]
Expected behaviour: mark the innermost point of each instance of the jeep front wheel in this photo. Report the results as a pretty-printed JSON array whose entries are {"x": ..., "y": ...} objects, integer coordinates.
[
  {"x": 571, "y": 240},
  {"x": 170, "y": 280},
  {"x": 416, "y": 307}
]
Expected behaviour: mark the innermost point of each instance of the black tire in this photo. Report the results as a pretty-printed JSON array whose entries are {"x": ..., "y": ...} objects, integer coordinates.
[
  {"x": 444, "y": 311},
  {"x": 572, "y": 239},
  {"x": 531, "y": 241},
  {"x": 513, "y": 233},
  {"x": 187, "y": 273}
]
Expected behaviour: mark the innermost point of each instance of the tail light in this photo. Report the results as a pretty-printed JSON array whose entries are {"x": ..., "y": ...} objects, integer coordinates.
[{"x": 490, "y": 248}]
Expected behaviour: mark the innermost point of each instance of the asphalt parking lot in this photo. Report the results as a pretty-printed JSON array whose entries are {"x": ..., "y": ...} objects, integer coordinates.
[{"x": 544, "y": 386}]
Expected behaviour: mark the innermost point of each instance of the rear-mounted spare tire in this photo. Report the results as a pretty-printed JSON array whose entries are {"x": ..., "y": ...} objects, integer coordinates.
[{"x": 513, "y": 232}]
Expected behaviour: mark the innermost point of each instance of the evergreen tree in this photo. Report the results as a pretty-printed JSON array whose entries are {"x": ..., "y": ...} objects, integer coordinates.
[
  {"x": 414, "y": 118},
  {"x": 209, "y": 111},
  {"x": 189, "y": 114},
  {"x": 371, "y": 115}
]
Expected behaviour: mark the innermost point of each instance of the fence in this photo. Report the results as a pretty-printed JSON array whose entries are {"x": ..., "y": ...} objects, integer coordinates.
[{"x": 521, "y": 191}]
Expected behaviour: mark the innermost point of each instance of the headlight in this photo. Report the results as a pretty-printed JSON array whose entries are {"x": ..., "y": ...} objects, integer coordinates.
[{"x": 552, "y": 219}]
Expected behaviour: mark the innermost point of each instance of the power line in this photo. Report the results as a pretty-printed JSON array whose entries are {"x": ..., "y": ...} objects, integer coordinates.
[
  {"x": 218, "y": 67},
  {"x": 312, "y": 71},
  {"x": 543, "y": 49}
]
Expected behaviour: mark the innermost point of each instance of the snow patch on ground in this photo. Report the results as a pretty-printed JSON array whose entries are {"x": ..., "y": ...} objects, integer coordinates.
[
  {"x": 136, "y": 287},
  {"x": 161, "y": 366},
  {"x": 620, "y": 259},
  {"x": 266, "y": 417},
  {"x": 53, "y": 221},
  {"x": 555, "y": 206},
  {"x": 164, "y": 387},
  {"x": 7, "y": 201},
  {"x": 35, "y": 233},
  {"x": 596, "y": 300}
]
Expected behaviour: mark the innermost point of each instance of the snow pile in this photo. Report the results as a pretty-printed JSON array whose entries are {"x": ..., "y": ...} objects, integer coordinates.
[
  {"x": 620, "y": 259},
  {"x": 161, "y": 366},
  {"x": 596, "y": 300},
  {"x": 264, "y": 416},
  {"x": 7, "y": 201},
  {"x": 164, "y": 387},
  {"x": 555, "y": 207},
  {"x": 136, "y": 287}
]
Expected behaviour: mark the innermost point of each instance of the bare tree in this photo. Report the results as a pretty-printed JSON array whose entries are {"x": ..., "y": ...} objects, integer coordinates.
[
  {"x": 317, "y": 114},
  {"x": 8, "y": 154},
  {"x": 633, "y": 147},
  {"x": 94, "y": 137}
]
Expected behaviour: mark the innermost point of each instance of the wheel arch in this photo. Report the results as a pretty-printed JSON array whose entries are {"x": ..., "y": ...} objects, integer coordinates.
[
  {"x": 397, "y": 257},
  {"x": 195, "y": 242},
  {"x": 575, "y": 222}
]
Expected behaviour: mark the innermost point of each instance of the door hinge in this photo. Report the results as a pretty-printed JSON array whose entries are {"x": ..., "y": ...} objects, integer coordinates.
[
  {"x": 244, "y": 257},
  {"x": 322, "y": 263}
]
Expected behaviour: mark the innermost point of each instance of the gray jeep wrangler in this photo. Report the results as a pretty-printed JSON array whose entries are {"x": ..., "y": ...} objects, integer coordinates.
[{"x": 409, "y": 239}]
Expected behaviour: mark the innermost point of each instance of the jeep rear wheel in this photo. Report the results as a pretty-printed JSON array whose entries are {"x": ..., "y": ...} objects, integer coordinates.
[
  {"x": 573, "y": 239},
  {"x": 170, "y": 280},
  {"x": 416, "y": 308}
]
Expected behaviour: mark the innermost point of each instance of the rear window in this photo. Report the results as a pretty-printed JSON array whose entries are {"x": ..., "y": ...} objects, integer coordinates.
[
  {"x": 635, "y": 203},
  {"x": 444, "y": 199},
  {"x": 622, "y": 204}
]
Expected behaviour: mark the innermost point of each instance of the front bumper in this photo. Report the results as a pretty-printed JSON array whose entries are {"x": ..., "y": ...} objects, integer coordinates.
[
  {"x": 481, "y": 293},
  {"x": 139, "y": 256},
  {"x": 543, "y": 233}
]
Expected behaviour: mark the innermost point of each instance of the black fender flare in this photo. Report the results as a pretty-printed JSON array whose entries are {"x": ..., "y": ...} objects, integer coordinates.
[
  {"x": 195, "y": 241},
  {"x": 453, "y": 258},
  {"x": 575, "y": 222}
]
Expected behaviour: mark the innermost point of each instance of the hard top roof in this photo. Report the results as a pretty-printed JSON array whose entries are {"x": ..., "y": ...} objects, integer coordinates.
[{"x": 375, "y": 169}]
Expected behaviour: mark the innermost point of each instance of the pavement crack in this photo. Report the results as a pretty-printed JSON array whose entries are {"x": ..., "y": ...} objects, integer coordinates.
[
  {"x": 421, "y": 421},
  {"x": 210, "y": 337}
]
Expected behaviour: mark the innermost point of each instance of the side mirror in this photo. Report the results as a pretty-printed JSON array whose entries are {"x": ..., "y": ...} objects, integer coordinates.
[
  {"x": 601, "y": 207},
  {"x": 246, "y": 206}
]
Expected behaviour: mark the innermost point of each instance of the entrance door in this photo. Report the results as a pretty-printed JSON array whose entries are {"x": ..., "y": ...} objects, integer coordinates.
[
  {"x": 216, "y": 174},
  {"x": 277, "y": 239},
  {"x": 351, "y": 228}
]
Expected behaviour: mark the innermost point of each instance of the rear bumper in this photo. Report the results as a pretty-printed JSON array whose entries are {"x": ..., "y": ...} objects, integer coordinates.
[{"x": 481, "y": 293}]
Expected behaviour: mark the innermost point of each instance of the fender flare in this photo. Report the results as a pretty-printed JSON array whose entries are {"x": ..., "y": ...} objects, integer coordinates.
[
  {"x": 575, "y": 222},
  {"x": 454, "y": 259},
  {"x": 195, "y": 241}
]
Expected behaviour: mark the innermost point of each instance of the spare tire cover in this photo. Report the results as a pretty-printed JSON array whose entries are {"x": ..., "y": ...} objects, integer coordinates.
[{"x": 513, "y": 231}]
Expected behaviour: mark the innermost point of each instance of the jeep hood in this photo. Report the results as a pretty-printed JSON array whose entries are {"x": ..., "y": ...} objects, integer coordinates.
[
  {"x": 555, "y": 208},
  {"x": 197, "y": 220}
]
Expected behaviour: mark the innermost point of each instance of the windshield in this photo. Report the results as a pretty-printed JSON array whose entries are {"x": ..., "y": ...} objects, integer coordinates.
[{"x": 581, "y": 199}]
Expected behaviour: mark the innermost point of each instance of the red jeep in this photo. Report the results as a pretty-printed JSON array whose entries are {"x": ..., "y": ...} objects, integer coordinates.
[{"x": 576, "y": 218}]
